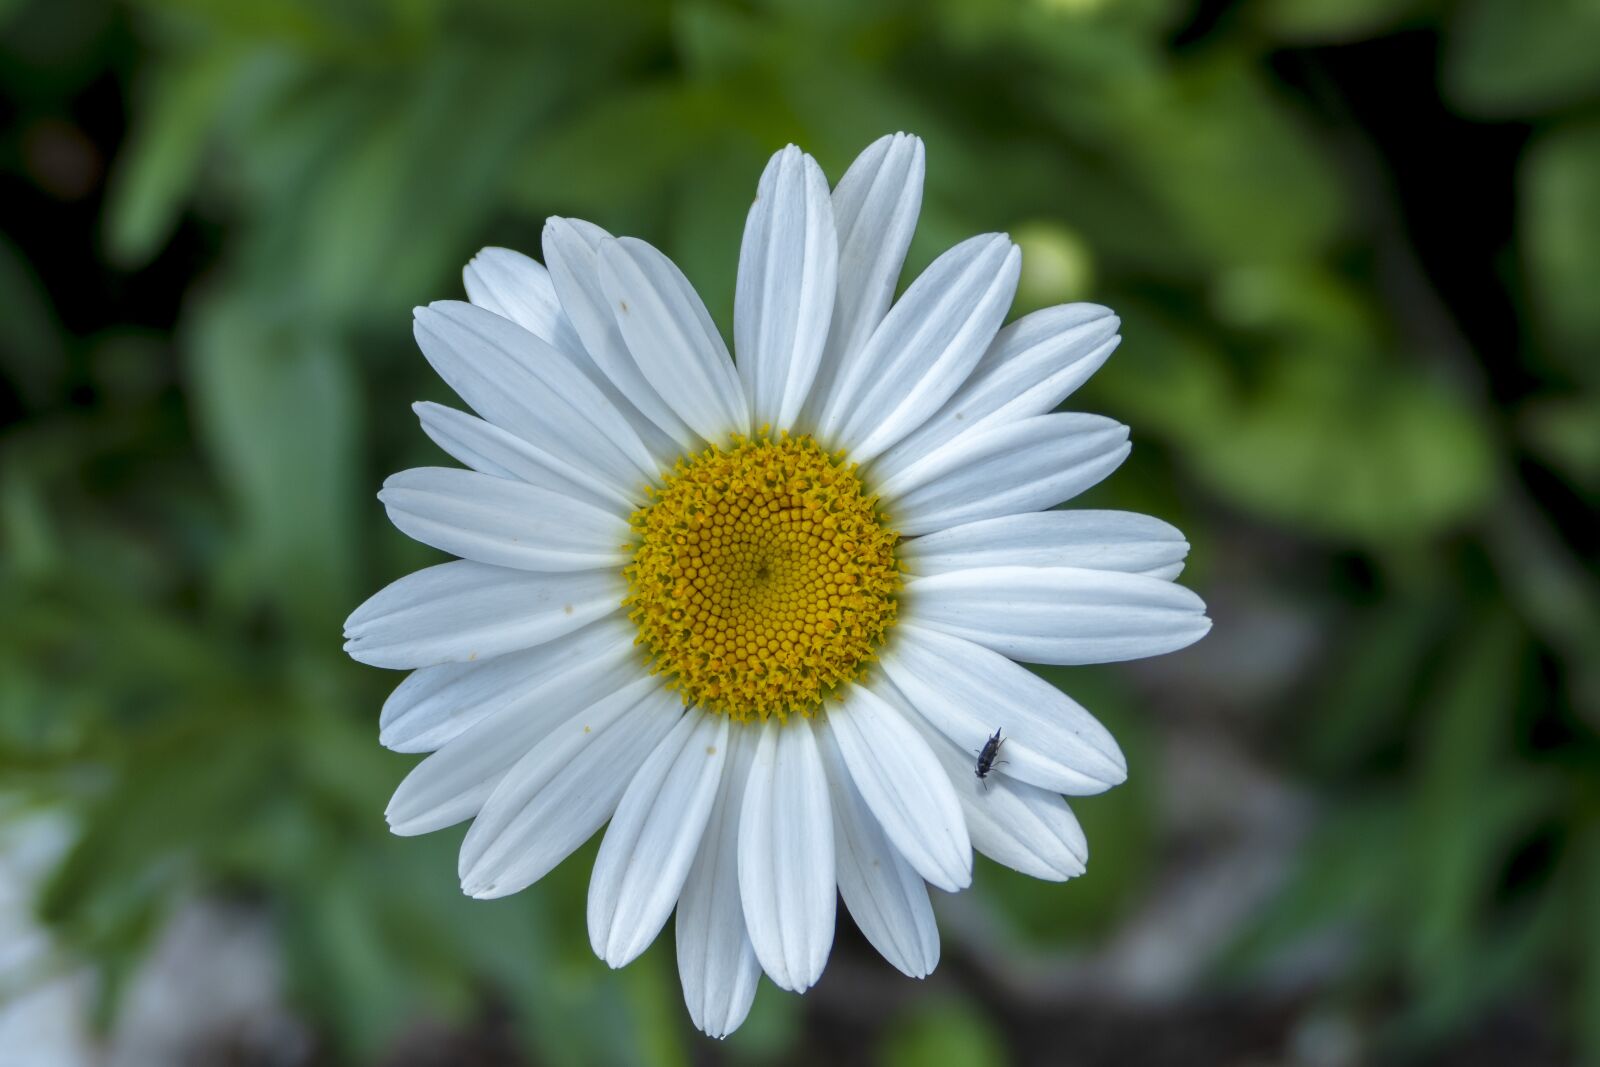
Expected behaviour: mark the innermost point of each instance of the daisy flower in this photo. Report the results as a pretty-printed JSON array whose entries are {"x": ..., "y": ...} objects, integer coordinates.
[{"x": 762, "y": 616}]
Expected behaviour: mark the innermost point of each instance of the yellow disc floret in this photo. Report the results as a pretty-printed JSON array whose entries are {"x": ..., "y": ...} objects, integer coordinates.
[{"x": 764, "y": 576}]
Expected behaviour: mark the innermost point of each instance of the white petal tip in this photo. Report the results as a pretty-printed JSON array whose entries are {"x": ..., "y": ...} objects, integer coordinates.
[
  {"x": 790, "y": 983},
  {"x": 1111, "y": 772},
  {"x": 898, "y": 138},
  {"x": 617, "y": 955},
  {"x": 403, "y": 827},
  {"x": 1115, "y": 769},
  {"x": 361, "y": 653},
  {"x": 718, "y": 1031},
  {"x": 953, "y": 879},
  {"x": 476, "y": 886},
  {"x": 1202, "y": 626}
]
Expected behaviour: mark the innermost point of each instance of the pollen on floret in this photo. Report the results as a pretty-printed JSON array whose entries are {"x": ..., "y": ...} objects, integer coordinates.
[{"x": 764, "y": 576}]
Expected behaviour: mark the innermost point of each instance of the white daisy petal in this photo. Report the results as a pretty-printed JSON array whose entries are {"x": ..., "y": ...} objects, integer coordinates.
[
  {"x": 488, "y": 449},
  {"x": 885, "y": 895},
  {"x": 901, "y": 783},
  {"x": 454, "y": 782},
  {"x": 564, "y": 789},
  {"x": 1097, "y": 540},
  {"x": 539, "y": 393},
  {"x": 786, "y": 875},
  {"x": 1006, "y": 469},
  {"x": 1021, "y": 826},
  {"x": 924, "y": 348},
  {"x": 788, "y": 268},
  {"x": 1063, "y": 615},
  {"x": 464, "y": 611},
  {"x": 653, "y": 838},
  {"x": 572, "y": 249},
  {"x": 672, "y": 338},
  {"x": 435, "y": 704},
  {"x": 717, "y": 965},
  {"x": 503, "y": 522},
  {"x": 517, "y": 287},
  {"x": 1031, "y": 366},
  {"x": 969, "y": 692},
  {"x": 875, "y": 210}
]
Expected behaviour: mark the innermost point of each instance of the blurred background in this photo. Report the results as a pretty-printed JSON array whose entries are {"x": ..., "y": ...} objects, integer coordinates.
[{"x": 1356, "y": 248}]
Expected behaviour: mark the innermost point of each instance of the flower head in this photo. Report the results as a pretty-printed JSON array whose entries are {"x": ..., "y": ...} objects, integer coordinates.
[{"x": 762, "y": 617}]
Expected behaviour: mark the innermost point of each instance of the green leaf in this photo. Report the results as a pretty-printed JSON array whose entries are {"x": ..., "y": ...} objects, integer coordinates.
[
  {"x": 1471, "y": 805},
  {"x": 26, "y": 543},
  {"x": 705, "y": 235},
  {"x": 1328, "y": 21},
  {"x": 1505, "y": 957},
  {"x": 32, "y": 355},
  {"x": 1341, "y": 880},
  {"x": 1587, "y": 1006},
  {"x": 612, "y": 158},
  {"x": 277, "y": 405},
  {"x": 358, "y": 27},
  {"x": 950, "y": 1033},
  {"x": 355, "y": 963},
  {"x": 1332, "y": 433},
  {"x": 1365, "y": 699},
  {"x": 156, "y": 171},
  {"x": 1559, "y": 212},
  {"x": 1506, "y": 57},
  {"x": 772, "y": 1029},
  {"x": 651, "y": 986},
  {"x": 1561, "y": 430},
  {"x": 1339, "y": 453},
  {"x": 1237, "y": 176}
]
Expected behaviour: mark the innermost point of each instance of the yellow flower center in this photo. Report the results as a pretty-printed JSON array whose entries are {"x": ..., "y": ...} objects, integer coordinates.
[{"x": 765, "y": 576}]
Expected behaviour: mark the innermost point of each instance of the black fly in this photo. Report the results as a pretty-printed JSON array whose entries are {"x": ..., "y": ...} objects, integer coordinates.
[{"x": 991, "y": 749}]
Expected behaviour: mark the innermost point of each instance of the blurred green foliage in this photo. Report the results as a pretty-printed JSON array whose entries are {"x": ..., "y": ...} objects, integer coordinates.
[{"x": 186, "y": 517}]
